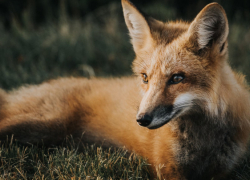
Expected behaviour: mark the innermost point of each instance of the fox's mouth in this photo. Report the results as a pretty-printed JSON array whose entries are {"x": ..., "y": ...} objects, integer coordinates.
[
  {"x": 158, "y": 122},
  {"x": 161, "y": 116}
]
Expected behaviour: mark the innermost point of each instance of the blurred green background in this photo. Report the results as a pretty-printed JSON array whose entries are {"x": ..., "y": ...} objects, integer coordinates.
[{"x": 44, "y": 39}]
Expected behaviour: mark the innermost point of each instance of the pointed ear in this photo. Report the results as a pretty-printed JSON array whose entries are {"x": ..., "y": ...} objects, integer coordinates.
[
  {"x": 210, "y": 28},
  {"x": 137, "y": 24}
]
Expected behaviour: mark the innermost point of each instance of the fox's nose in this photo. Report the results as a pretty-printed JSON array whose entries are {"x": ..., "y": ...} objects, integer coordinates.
[{"x": 144, "y": 120}]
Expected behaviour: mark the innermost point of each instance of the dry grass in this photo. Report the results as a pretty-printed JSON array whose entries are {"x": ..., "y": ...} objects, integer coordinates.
[{"x": 67, "y": 162}]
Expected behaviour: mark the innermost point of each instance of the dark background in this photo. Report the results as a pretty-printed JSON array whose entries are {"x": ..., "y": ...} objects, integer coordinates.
[
  {"x": 47, "y": 10},
  {"x": 44, "y": 39}
]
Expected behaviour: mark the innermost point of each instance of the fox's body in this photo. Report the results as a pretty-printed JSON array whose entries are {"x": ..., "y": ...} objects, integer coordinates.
[
  {"x": 195, "y": 108},
  {"x": 71, "y": 106}
]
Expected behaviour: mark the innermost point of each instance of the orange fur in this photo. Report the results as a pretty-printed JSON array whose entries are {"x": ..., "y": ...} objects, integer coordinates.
[{"x": 197, "y": 128}]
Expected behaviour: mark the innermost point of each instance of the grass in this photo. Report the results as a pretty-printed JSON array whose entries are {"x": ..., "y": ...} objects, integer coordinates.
[
  {"x": 92, "y": 162},
  {"x": 76, "y": 47}
]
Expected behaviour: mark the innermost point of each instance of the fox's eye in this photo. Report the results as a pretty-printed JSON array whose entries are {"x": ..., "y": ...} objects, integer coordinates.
[
  {"x": 145, "y": 78},
  {"x": 176, "y": 78}
]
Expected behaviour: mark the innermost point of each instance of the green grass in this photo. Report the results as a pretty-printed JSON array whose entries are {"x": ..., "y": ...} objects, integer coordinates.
[
  {"x": 92, "y": 162},
  {"x": 100, "y": 42}
]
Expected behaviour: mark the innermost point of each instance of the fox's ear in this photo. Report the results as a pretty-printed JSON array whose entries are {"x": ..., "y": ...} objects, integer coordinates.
[
  {"x": 209, "y": 28},
  {"x": 137, "y": 24}
]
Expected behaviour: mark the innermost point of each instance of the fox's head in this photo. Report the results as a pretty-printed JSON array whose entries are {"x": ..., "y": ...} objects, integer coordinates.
[{"x": 179, "y": 64}]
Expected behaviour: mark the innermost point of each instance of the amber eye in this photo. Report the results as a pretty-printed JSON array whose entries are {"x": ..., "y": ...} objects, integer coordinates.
[
  {"x": 176, "y": 78},
  {"x": 144, "y": 78}
]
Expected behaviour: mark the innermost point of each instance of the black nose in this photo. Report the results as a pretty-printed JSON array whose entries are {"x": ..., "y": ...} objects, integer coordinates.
[{"x": 144, "y": 120}]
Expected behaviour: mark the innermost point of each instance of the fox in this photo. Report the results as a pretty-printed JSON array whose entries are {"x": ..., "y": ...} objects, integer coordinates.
[{"x": 185, "y": 110}]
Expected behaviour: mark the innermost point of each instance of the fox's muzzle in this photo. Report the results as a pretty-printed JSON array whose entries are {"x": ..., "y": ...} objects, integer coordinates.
[{"x": 157, "y": 118}]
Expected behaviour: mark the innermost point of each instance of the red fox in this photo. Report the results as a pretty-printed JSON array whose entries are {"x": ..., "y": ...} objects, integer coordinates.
[{"x": 192, "y": 108}]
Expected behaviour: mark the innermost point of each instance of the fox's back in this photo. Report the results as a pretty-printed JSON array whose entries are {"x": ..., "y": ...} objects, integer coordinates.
[{"x": 66, "y": 105}]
